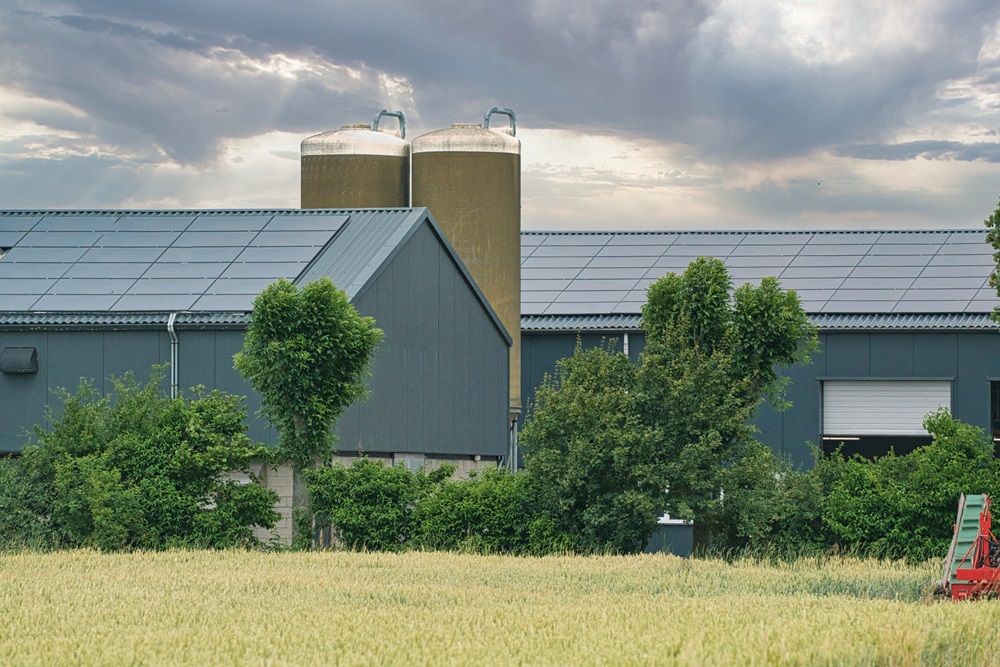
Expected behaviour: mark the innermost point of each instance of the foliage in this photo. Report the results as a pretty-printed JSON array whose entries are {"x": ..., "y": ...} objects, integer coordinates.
[
  {"x": 709, "y": 361},
  {"x": 24, "y": 516},
  {"x": 142, "y": 471},
  {"x": 904, "y": 506},
  {"x": 370, "y": 505},
  {"x": 607, "y": 439},
  {"x": 307, "y": 352},
  {"x": 491, "y": 512},
  {"x": 590, "y": 457}
]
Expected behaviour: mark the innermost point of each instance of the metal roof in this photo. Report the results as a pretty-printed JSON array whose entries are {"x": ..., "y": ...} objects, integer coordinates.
[
  {"x": 837, "y": 272},
  {"x": 128, "y": 268},
  {"x": 831, "y": 322},
  {"x": 113, "y": 320}
]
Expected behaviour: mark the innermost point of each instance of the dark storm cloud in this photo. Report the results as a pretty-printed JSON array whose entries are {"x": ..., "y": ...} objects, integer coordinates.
[{"x": 660, "y": 69}]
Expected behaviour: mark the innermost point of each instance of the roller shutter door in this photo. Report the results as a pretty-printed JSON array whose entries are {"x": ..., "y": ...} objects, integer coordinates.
[{"x": 881, "y": 407}]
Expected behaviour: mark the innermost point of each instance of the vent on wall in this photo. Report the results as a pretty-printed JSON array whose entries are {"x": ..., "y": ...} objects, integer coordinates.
[
  {"x": 19, "y": 360},
  {"x": 4, "y": 251}
]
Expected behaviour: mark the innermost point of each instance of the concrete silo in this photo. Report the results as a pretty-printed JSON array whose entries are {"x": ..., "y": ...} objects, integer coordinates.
[
  {"x": 357, "y": 166},
  {"x": 469, "y": 177}
]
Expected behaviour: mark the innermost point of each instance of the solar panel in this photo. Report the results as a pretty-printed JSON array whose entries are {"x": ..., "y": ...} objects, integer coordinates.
[
  {"x": 108, "y": 270},
  {"x": 240, "y": 285},
  {"x": 293, "y": 239},
  {"x": 630, "y": 251},
  {"x": 291, "y": 254},
  {"x": 24, "y": 286},
  {"x": 294, "y": 223},
  {"x": 855, "y": 282},
  {"x": 48, "y": 255},
  {"x": 18, "y": 301},
  {"x": 59, "y": 239},
  {"x": 86, "y": 302},
  {"x": 611, "y": 274},
  {"x": 542, "y": 274},
  {"x": 121, "y": 239},
  {"x": 28, "y": 270},
  {"x": 577, "y": 239},
  {"x": 177, "y": 270},
  {"x": 171, "y": 286},
  {"x": 641, "y": 239},
  {"x": 10, "y": 239},
  {"x": 153, "y": 223},
  {"x": 264, "y": 270},
  {"x": 18, "y": 223},
  {"x": 239, "y": 223},
  {"x": 77, "y": 223},
  {"x": 126, "y": 255},
  {"x": 582, "y": 285},
  {"x": 554, "y": 262},
  {"x": 225, "y": 302},
  {"x": 156, "y": 302},
  {"x": 210, "y": 239},
  {"x": 83, "y": 286},
  {"x": 214, "y": 255}
]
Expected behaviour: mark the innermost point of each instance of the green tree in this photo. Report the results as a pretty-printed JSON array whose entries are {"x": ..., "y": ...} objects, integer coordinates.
[
  {"x": 590, "y": 458},
  {"x": 712, "y": 355},
  {"x": 307, "y": 352},
  {"x": 139, "y": 469}
]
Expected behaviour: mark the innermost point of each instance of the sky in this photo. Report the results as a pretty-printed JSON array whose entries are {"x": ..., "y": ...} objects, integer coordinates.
[{"x": 633, "y": 114}]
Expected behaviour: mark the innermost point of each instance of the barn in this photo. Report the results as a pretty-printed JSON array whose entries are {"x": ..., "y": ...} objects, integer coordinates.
[
  {"x": 904, "y": 320},
  {"x": 97, "y": 293}
]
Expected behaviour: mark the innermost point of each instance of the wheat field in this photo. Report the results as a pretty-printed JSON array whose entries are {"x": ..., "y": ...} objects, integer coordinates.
[{"x": 241, "y": 608}]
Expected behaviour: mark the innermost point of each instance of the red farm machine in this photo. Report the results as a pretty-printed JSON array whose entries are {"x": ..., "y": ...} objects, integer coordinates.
[{"x": 972, "y": 568}]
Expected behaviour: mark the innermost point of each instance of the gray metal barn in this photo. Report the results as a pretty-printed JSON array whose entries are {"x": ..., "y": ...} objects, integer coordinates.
[
  {"x": 903, "y": 316},
  {"x": 96, "y": 294}
]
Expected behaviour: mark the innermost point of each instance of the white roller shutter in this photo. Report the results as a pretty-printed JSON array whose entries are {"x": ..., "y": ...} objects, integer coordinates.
[{"x": 881, "y": 407}]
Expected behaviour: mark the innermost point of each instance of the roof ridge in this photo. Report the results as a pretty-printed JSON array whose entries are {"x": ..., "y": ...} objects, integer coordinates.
[
  {"x": 757, "y": 232},
  {"x": 66, "y": 213}
]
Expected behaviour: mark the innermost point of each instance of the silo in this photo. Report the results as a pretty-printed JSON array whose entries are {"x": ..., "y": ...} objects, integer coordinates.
[
  {"x": 469, "y": 177},
  {"x": 357, "y": 166}
]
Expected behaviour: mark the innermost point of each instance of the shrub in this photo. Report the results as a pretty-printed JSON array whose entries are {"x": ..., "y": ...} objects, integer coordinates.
[
  {"x": 144, "y": 470},
  {"x": 369, "y": 505},
  {"x": 491, "y": 512}
]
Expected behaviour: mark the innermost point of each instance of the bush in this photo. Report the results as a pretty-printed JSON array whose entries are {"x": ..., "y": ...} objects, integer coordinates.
[
  {"x": 377, "y": 507},
  {"x": 904, "y": 506},
  {"x": 140, "y": 471},
  {"x": 24, "y": 517},
  {"x": 491, "y": 512},
  {"x": 369, "y": 505}
]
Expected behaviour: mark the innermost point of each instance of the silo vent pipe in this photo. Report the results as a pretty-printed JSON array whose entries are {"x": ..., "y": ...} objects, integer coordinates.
[
  {"x": 506, "y": 112},
  {"x": 397, "y": 114}
]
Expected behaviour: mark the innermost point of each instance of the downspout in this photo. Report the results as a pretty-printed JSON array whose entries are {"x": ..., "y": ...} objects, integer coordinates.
[{"x": 173, "y": 354}]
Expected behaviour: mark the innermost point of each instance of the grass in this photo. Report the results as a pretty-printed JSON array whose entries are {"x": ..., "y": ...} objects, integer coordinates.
[{"x": 221, "y": 608}]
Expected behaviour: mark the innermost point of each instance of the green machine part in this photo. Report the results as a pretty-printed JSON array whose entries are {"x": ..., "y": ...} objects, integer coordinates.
[{"x": 966, "y": 532}]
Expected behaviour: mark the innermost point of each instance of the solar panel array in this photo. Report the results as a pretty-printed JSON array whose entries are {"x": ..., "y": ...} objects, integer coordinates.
[
  {"x": 132, "y": 261},
  {"x": 566, "y": 273}
]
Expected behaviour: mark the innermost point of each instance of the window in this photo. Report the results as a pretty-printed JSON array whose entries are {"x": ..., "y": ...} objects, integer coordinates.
[{"x": 870, "y": 417}]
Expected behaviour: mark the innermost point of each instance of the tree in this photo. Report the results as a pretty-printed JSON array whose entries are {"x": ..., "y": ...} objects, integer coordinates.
[
  {"x": 139, "y": 470},
  {"x": 710, "y": 359},
  {"x": 607, "y": 439},
  {"x": 590, "y": 457},
  {"x": 307, "y": 352}
]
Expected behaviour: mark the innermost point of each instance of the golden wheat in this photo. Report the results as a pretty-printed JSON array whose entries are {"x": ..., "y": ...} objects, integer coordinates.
[{"x": 237, "y": 608}]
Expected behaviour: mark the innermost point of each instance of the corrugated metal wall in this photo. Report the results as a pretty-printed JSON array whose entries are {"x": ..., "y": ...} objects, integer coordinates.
[{"x": 972, "y": 359}]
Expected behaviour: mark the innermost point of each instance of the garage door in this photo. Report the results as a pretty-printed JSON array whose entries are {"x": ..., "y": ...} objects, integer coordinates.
[{"x": 881, "y": 407}]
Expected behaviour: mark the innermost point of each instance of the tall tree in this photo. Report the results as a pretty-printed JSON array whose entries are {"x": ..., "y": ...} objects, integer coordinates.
[
  {"x": 307, "y": 352},
  {"x": 711, "y": 357}
]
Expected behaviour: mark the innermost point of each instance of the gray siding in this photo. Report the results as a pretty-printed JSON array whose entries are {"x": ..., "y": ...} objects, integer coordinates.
[
  {"x": 64, "y": 357},
  {"x": 971, "y": 359},
  {"x": 439, "y": 380}
]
